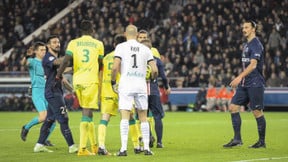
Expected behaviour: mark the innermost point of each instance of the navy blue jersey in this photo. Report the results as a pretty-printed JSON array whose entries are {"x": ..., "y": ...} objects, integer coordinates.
[
  {"x": 253, "y": 50},
  {"x": 52, "y": 86},
  {"x": 154, "y": 90}
]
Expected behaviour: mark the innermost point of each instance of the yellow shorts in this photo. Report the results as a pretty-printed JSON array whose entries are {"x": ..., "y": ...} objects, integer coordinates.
[
  {"x": 87, "y": 95},
  {"x": 109, "y": 105}
]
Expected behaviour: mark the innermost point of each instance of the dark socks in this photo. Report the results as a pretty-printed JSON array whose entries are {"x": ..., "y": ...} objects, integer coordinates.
[
  {"x": 66, "y": 132},
  {"x": 159, "y": 130},
  {"x": 236, "y": 122},
  {"x": 261, "y": 124},
  {"x": 45, "y": 131}
]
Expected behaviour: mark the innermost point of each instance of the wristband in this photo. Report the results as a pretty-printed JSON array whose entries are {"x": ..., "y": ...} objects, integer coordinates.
[{"x": 113, "y": 82}]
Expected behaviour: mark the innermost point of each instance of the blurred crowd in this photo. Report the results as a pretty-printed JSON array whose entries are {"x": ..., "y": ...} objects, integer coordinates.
[
  {"x": 24, "y": 102},
  {"x": 16, "y": 103},
  {"x": 198, "y": 39},
  {"x": 19, "y": 18}
]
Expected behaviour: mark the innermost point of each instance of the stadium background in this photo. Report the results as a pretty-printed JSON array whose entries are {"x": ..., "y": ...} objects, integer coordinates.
[{"x": 199, "y": 40}]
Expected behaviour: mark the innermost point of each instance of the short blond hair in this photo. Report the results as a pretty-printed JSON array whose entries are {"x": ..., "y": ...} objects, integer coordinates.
[{"x": 147, "y": 43}]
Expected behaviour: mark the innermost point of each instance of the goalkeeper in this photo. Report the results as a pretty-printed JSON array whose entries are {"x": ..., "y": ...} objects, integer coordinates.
[{"x": 109, "y": 104}]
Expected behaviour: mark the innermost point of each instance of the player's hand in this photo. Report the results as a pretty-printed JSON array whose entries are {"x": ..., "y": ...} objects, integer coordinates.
[
  {"x": 168, "y": 91},
  {"x": 30, "y": 51},
  {"x": 235, "y": 82},
  {"x": 114, "y": 86}
]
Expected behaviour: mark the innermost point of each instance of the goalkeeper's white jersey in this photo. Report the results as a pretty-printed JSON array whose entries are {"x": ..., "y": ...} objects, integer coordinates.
[{"x": 134, "y": 58}]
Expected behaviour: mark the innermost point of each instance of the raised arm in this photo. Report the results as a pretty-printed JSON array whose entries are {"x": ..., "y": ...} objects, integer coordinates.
[{"x": 29, "y": 53}]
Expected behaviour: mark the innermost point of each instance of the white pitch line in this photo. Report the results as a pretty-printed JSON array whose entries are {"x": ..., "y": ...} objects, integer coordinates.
[
  {"x": 38, "y": 128},
  {"x": 262, "y": 159}
]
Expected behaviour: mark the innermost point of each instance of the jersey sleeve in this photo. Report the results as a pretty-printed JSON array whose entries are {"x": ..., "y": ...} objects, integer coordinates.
[
  {"x": 155, "y": 52},
  {"x": 31, "y": 62},
  {"x": 161, "y": 71},
  {"x": 48, "y": 61},
  {"x": 150, "y": 55},
  {"x": 70, "y": 48},
  {"x": 117, "y": 53},
  {"x": 256, "y": 52},
  {"x": 101, "y": 50}
]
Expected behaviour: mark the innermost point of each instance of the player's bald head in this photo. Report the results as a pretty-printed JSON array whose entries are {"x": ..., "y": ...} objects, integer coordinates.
[{"x": 131, "y": 31}]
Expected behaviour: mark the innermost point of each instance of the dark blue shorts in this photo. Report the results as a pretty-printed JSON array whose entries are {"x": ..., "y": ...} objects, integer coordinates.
[
  {"x": 252, "y": 95},
  {"x": 155, "y": 106},
  {"x": 57, "y": 108}
]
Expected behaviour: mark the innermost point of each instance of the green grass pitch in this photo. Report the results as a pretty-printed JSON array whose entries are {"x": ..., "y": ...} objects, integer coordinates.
[{"x": 188, "y": 137}]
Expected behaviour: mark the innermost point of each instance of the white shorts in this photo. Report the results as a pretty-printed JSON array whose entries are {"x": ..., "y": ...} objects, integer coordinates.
[{"x": 126, "y": 101}]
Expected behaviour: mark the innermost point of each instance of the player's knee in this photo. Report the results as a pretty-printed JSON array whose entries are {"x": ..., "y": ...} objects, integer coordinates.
[
  {"x": 47, "y": 125},
  {"x": 106, "y": 117},
  {"x": 87, "y": 112},
  {"x": 63, "y": 120},
  {"x": 143, "y": 118},
  {"x": 42, "y": 118},
  {"x": 257, "y": 113},
  {"x": 158, "y": 117},
  {"x": 234, "y": 108}
]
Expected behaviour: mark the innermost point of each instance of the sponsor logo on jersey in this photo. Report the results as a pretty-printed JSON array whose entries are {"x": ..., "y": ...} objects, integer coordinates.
[
  {"x": 135, "y": 74},
  {"x": 245, "y": 59}
]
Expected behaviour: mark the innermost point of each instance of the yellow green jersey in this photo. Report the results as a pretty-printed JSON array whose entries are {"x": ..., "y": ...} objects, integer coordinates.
[
  {"x": 85, "y": 52},
  {"x": 106, "y": 88},
  {"x": 155, "y": 52}
]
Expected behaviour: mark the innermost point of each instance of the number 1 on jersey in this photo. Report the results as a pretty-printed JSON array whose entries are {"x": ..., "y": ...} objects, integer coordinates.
[{"x": 135, "y": 62}]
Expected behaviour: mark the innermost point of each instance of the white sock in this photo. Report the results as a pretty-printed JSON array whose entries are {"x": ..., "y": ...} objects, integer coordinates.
[
  {"x": 124, "y": 129},
  {"x": 145, "y": 134},
  {"x": 38, "y": 145},
  {"x": 71, "y": 146}
]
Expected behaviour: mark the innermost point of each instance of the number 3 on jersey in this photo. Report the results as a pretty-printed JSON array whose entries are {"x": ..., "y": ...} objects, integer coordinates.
[{"x": 85, "y": 55}]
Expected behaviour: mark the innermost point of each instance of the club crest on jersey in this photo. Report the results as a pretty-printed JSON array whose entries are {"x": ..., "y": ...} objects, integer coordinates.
[
  {"x": 246, "y": 49},
  {"x": 51, "y": 58}
]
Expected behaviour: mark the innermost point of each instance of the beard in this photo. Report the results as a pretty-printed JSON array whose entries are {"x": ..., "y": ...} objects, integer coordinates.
[{"x": 56, "y": 50}]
